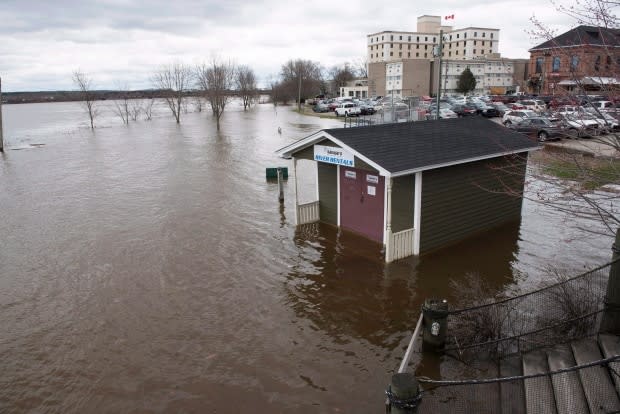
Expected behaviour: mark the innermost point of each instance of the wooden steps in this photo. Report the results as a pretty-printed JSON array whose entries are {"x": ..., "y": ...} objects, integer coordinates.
[
  {"x": 569, "y": 397},
  {"x": 512, "y": 395},
  {"x": 539, "y": 397},
  {"x": 596, "y": 382}
]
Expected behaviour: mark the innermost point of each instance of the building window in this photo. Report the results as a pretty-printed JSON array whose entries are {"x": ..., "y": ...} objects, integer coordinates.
[
  {"x": 465, "y": 35},
  {"x": 475, "y": 34},
  {"x": 400, "y": 38},
  {"x": 381, "y": 37},
  {"x": 391, "y": 37},
  {"x": 417, "y": 46},
  {"x": 381, "y": 54},
  {"x": 400, "y": 54},
  {"x": 449, "y": 53},
  {"x": 597, "y": 63},
  {"x": 433, "y": 40},
  {"x": 425, "y": 55},
  {"x": 483, "y": 34},
  {"x": 483, "y": 43},
  {"x": 464, "y": 43},
  {"x": 400, "y": 46},
  {"x": 457, "y": 35},
  {"x": 457, "y": 44},
  {"x": 408, "y": 54},
  {"x": 391, "y": 45},
  {"x": 474, "y": 51},
  {"x": 408, "y": 47},
  {"x": 539, "y": 65},
  {"x": 474, "y": 43},
  {"x": 417, "y": 38},
  {"x": 555, "y": 64},
  {"x": 450, "y": 37},
  {"x": 409, "y": 39},
  {"x": 425, "y": 47},
  {"x": 417, "y": 54},
  {"x": 426, "y": 38},
  {"x": 391, "y": 53},
  {"x": 457, "y": 52},
  {"x": 491, "y": 35},
  {"x": 490, "y": 51}
]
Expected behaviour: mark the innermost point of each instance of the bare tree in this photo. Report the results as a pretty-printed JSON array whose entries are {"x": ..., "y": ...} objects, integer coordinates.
[
  {"x": 198, "y": 103},
  {"x": 566, "y": 181},
  {"x": 216, "y": 81},
  {"x": 360, "y": 66},
  {"x": 135, "y": 109},
  {"x": 174, "y": 81},
  {"x": 121, "y": 105},
  {"x": 245, "y": 83},
  {"x": 148, "y": 109},
  {"x": 301, "y": 78},
  {"x": 340, "y": 76},
  {"x": 84, "y": 85}
]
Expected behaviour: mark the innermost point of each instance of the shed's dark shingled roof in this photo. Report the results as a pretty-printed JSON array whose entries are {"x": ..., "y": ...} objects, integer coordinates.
[
  {"x": 414, "y": 145},
  {"x": 584, "y": 36}
]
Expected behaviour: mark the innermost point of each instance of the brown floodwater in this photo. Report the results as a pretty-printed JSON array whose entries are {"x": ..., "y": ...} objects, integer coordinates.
[{"x": 150, "y": 268}]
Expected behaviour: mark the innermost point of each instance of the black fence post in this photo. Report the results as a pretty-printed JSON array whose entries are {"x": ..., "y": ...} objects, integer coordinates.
[
  {"x": 611, "y": 315},
  {"x": 435, "y": 324},
  {"x": 403, "y": 393}
]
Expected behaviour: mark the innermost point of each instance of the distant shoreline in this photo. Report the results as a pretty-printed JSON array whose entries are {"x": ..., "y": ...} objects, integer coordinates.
[{"x": 72, "y": 96}]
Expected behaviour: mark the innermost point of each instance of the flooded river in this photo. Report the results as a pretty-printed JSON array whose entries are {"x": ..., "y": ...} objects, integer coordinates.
[{"x": 150, "y": 268}]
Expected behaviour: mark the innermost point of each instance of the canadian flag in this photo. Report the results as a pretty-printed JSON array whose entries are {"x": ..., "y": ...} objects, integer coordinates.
[{"x": 449, "y": 17}]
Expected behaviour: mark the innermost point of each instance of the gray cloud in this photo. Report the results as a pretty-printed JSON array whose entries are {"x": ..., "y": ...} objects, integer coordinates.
[{"x": 43, "y": 41}]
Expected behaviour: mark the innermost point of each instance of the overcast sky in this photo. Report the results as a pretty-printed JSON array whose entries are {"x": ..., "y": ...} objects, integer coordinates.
[{"x": 120, "y": 42}]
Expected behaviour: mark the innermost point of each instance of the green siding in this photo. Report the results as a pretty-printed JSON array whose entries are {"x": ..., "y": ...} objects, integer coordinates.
[
  {"x": 402, "y": 202},
  {"x": 460, "y": 201},
  {"x": 328, "y": 192},
  {"x": 363, "y": 166}
]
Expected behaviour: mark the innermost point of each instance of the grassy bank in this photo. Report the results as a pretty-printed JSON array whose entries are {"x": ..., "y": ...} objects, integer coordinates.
[{"x": 592, "y": 172}]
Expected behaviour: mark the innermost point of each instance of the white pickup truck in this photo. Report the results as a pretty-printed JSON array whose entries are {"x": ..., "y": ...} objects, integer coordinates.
[{"x": 348, "y": 109}]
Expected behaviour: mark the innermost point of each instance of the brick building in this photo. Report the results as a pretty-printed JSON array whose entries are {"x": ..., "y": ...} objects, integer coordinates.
[{"x": 584, "y": 58}]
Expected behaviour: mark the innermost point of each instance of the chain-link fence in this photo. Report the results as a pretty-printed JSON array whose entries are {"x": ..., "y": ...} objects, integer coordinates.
[{"x": 568, "y": 309}]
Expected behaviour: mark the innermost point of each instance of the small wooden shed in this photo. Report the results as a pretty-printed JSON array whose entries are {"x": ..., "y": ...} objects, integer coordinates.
[{"x": 414, "y": 186}]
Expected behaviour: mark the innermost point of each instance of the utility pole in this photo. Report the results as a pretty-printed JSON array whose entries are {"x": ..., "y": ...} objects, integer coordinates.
[
  {"x": 1, "y": 136},
  {"x": 438, "y": 52},
  {"x": 299, "y": 88}
]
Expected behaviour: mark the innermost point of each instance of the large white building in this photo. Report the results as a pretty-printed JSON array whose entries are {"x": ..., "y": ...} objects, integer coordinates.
[
  {"x": 493, "y": 74},
  {"x": 465, "y": 44},
  {"x": 406, "y": 63}
]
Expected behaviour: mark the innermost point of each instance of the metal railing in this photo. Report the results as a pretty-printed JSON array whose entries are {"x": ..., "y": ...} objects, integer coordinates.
[
  {"x": 560, "y": 312},
  {"x": 308, "y": 213}
]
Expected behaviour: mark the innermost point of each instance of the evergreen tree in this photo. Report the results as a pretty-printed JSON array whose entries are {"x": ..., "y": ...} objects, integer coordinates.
[{"x": 466, "y": 82}]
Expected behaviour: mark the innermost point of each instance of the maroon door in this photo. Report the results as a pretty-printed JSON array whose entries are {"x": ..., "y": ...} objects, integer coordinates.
[{"x": 361, "y": 202}]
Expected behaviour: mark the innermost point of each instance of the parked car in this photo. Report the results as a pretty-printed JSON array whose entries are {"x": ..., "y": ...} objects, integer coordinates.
[
  {"x": 464, "y": 110},
  {"x": 533, "y": 105},
  {"x": 541, "y": 129},
  {"x": 606, "y": 120},
  {"x": 320, "y": 107},
  {"x": 348, "y": 109},
  {"x": 488, "y": 111},
  {"x": 444, "y": 113},
  {"x": 579, "y": 126},
  {"x": 517, "y": 116},
  {"x": 500, "y": 108},
  {"x": 367, "y": 108}
]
